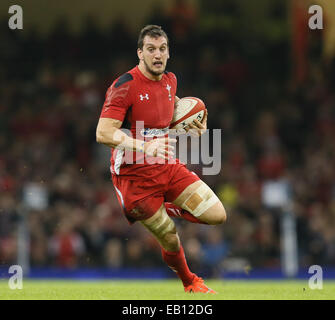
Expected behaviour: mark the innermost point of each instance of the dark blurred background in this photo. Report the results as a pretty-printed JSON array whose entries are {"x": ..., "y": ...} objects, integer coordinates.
[{"x": 268, "y": 83}]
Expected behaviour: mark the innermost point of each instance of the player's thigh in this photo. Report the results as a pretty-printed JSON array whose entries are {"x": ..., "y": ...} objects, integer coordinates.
[
  {"x": 201, "y": 201},
  {"x": 163, "y": 228},
  {"x": 139, "y": 199}
]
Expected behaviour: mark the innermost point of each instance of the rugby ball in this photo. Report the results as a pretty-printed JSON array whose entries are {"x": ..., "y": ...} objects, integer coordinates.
[{"x": 186, "y": 111}]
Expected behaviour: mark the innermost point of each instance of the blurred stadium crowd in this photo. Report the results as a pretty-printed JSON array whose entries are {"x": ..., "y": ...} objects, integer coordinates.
[{"x": 51, "y": 93}]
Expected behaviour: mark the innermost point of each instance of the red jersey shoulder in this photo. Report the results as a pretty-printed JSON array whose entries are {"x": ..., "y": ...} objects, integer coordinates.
[
  {"x": 118, "y": 97},
  {"x": 120, "y": 88},
  {"x": 171, "y": 76},
  {"x": 125, "y": 78}
]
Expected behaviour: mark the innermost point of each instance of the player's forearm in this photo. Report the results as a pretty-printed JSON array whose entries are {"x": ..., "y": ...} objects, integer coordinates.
[{"x": 115, "y": 138}]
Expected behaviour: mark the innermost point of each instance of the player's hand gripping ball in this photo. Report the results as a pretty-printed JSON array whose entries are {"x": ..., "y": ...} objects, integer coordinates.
[{"x": 190, "y": 113}]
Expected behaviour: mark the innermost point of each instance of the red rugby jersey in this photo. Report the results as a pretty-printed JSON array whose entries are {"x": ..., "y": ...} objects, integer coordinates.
[{"x": 146, "y": 105}]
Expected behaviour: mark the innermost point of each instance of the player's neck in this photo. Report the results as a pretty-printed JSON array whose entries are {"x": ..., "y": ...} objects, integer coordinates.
[{"x": 147, "y": 74}]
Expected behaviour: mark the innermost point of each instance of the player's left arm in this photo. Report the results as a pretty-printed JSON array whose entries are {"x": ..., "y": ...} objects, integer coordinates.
[{"x": 196, "y": 128}]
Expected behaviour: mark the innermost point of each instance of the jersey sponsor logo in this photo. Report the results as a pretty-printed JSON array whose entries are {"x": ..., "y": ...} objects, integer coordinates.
[
  {"x": 168, "y": 88},
  {"x": 154, "y": 132},
  {"x": 146, "y": 96}
]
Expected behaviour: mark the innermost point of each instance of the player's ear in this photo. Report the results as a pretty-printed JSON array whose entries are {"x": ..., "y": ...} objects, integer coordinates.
[{"x": 140, "y": 53}]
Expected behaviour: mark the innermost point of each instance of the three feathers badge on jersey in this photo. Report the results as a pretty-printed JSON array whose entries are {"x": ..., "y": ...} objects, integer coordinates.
[{"x": 168, "y": 88}]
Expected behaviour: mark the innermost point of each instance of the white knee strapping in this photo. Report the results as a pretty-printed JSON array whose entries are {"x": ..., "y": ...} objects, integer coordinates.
[
  {"x": 162, "y": 225},
  {"x": 200, "y": 200}
]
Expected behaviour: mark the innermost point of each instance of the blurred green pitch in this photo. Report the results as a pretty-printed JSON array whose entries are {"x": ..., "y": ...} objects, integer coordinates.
[{"x": 164, "y": 290}]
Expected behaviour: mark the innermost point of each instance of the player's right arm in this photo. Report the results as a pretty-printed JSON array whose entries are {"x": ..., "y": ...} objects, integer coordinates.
[
  {"x": 117, "y": 102},
  {"x": 108, "y": 133}
]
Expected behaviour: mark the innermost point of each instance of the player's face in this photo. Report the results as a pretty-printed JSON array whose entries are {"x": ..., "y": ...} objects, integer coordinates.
[{"x": 154, "y": 55}]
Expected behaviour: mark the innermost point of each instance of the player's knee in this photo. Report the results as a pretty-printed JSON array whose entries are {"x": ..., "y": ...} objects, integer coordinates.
[
  {"x": 204, "y": 204},
  {"x": 165, "y": 231},
  {"x": 221, "y": 216},
  {"x": 215, "y": 215}
]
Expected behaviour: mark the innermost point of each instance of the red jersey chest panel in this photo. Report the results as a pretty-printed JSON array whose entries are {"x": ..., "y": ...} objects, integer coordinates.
[
  {"x": 152, "y": 101},
  {"x": 136, "y": 98}
]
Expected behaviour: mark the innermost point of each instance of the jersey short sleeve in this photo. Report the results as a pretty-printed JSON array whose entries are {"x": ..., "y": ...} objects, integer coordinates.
[{"x": 118, "y": 98}]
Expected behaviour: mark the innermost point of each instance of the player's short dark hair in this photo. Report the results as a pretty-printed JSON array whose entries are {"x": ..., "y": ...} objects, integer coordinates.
[{"x": 152, "y": 31}]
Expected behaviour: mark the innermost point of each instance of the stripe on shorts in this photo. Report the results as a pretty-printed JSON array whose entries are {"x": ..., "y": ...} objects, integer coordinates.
[{"x": 120, "y": 195}]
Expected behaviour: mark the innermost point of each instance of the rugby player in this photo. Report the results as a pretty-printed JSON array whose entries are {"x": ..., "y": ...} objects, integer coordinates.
[{"x": 152, "y": 191}]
